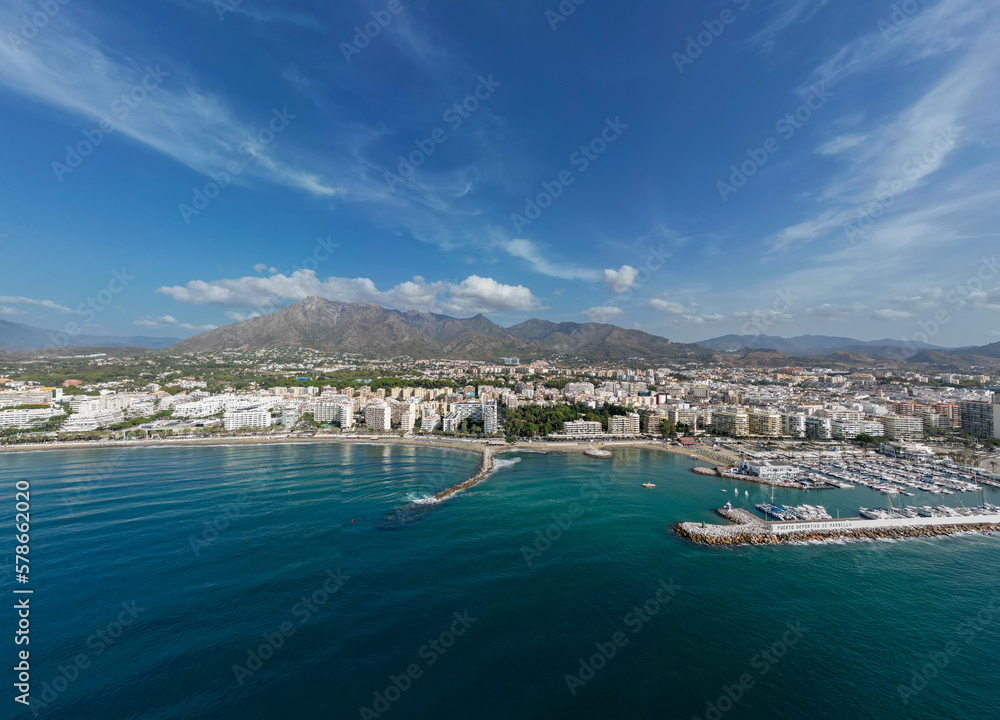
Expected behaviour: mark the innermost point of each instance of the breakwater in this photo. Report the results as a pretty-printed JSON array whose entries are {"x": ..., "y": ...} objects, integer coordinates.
[
  {"x": 485, "y": 468},
  {"x": 748, "y": 529}
]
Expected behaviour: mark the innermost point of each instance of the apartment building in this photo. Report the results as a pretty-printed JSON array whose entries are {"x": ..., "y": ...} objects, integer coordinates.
[
  {"x": 732, "y": 422},
  {"x": 583, "y": 428},
  {"x": 981, "y": 419}
]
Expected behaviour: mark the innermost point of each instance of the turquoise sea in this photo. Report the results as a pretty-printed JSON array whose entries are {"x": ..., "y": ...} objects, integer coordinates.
[{"x": 315, "y": 581}]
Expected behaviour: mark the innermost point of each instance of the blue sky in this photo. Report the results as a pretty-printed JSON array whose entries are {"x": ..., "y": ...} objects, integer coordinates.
[{"x": 691, "y": 169}]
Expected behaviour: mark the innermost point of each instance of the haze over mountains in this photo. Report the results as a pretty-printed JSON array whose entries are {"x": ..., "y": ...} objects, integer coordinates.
[
  {"x": 15, "y": 336},
  {"x": 811, "y": 345}
]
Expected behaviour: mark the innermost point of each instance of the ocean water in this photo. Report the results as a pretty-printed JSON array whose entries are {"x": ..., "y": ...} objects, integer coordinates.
[{"x": 318, "y": 581}]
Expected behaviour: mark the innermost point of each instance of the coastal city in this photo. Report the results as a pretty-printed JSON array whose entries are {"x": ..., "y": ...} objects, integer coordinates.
[
  {"x": 564, "y": 359},
  {"x": 775, "y": 419},
  {"x": 896, "y": 432}
]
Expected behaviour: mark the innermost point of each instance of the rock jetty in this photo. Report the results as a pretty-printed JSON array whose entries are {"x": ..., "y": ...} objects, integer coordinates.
[
  {"x": 748, "y": 529},
  {"x": 485, "y": 468}
]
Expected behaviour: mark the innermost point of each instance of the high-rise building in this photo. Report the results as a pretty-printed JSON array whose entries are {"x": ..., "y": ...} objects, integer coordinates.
[
  {"x": 819, "y": 427},
  {"x": 378, "y": 416},
  {"x": 981, "y": 419},
  {"x": 491, "y": 417},
  {"x": 793, "y": 425}
]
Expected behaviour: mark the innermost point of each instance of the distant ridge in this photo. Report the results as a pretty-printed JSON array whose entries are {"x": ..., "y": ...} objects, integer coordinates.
[
  {"x": 812, "y": 345},
  {"x": 15, "y": 336}
]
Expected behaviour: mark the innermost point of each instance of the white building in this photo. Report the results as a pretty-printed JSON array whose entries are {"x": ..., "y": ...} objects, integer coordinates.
[
  {"x": 819, "y": 427},
  {"x": 378, "y": 416},
  {"x": 27, "y": 418},
  {"x": 246, "y": 418},
  {"x": 793, "y": 425},
  {"x": 583, "y": 428},
  {"x": 768, "y": 471},
  {"x": 850, "y": 429},
  {"x": 903, "y": 426},
  {"x": 338, "y": 411},
  {"x": 907, "y": 451},
  {"x": 85, "y": 422},
  {"x": 491, "y": 418}
]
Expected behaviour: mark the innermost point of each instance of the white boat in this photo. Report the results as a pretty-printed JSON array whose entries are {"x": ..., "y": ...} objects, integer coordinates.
[{"x": 648, "y": 485}]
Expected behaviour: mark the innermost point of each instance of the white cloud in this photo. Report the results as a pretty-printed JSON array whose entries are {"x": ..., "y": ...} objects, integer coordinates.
[
  {"x": 240, "y": 317},
  {"x": 889, "y": 314},
  {"x": 671, "y": 307},
  {"x": 263, "y": 267},
  {"x": 603, "y": 314},
  {"x": 473, "y": 295},
  {"x": 36, "y": 303},
  {"x": 832, "y": 311},
  {"x": 5, "y": 310},
  {"x": 691, "y": 319},
  {"x": 620, "y": 280}
]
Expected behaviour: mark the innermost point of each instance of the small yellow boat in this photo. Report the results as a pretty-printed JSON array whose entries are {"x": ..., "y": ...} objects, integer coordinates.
[{"x": 648, "y": 485}]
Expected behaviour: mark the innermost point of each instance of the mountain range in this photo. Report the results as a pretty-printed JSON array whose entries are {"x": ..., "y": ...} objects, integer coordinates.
[
  {"x": 15, "y": 336},
  {"x": 375, "y": 330}
]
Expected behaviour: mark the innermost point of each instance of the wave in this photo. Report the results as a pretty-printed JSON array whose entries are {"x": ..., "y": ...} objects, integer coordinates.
[
  {"x": 422, "y": 499},
  {"x": 501, "y": 463}
]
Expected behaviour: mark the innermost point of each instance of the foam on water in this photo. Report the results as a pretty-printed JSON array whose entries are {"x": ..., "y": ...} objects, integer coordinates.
[
  {"x": 422, "y": 499},
  {"x": 501, "y": 463}
]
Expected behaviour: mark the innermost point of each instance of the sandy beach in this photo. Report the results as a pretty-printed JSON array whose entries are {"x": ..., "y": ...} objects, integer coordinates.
[{"x": 431, "y": 441}]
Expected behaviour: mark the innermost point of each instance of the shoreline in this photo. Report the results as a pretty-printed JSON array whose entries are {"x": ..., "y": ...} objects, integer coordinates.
[{"x": 475, "y": 446}]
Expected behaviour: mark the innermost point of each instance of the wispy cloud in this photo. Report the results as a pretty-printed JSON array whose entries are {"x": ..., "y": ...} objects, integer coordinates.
[
  {"x": 255, "y": 10},
  {"x": 905, "y": 151},
  {"x": 791, "y": 13},
  {"x": 12, "y": 300},
  {"x": 68, "y": 68},
  {"x": 530, "y": 251},
  {"x": 169, "y": 321}
]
